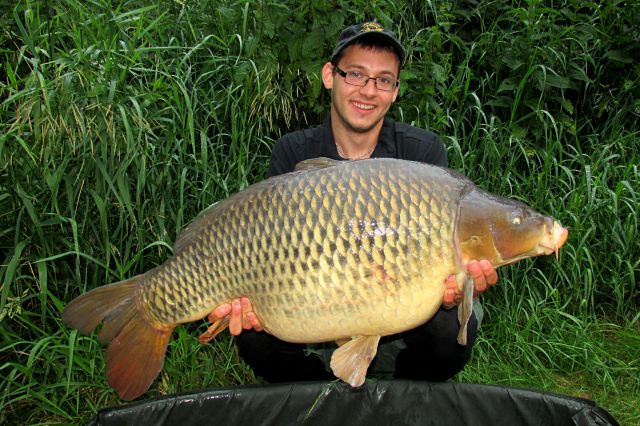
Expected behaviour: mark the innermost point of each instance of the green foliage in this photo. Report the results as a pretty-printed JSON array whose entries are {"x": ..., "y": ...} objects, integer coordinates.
[
  {"x": 121, "y": 120},
  {"x": 532, "y": 66}
]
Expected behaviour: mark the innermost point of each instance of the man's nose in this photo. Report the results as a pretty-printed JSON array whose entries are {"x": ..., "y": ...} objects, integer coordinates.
[{"x": 369, "y": 86}]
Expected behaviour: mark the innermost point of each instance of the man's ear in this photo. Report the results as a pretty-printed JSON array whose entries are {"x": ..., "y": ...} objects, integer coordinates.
[
  {"x": 327, "y": 75},
  {"x": 395, "y": 92}
]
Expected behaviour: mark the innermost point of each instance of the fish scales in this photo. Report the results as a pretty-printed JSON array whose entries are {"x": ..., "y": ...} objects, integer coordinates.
[
  {"x": 345, "y": 251},
  {"x": 361, "y": 251}
]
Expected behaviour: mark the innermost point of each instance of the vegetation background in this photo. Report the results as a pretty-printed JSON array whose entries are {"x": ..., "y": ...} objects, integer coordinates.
[{"x": 121, "y": 120}]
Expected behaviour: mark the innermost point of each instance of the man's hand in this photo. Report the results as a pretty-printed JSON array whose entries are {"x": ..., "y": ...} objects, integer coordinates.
[
  {"x": 483, "y": 275},
  {"x": 241, "y": 315}
]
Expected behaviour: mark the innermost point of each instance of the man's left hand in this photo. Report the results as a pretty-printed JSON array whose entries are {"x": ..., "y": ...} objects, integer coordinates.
[{"x": 482, "y": 273}]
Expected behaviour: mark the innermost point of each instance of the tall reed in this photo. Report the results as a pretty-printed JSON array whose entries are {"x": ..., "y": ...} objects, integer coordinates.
[{"x": 122, "y": 120}]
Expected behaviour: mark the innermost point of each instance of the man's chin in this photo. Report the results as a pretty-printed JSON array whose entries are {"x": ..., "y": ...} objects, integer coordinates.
[
  {"x": 358, "y": 126},
  {"x": 363, "y": 128}
]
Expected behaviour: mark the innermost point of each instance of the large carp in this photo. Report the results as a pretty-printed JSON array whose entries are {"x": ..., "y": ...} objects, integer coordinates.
[{"x": 345, "y": 251}]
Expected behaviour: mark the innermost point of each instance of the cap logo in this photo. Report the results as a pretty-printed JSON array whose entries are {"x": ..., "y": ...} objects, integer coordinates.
[{"x": 371, "y": 26}]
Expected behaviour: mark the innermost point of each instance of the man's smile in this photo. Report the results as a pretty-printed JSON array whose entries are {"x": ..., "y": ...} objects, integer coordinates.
[{"x": 363, "y": 106}]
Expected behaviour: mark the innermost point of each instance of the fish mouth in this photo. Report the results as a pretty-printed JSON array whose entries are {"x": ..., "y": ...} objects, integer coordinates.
[
  {"x": 553, "y": 240},
  {"x": 549, "y": 243}
]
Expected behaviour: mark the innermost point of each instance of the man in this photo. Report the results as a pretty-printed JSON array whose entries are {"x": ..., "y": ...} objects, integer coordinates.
[{"x": 363, "y": 77}]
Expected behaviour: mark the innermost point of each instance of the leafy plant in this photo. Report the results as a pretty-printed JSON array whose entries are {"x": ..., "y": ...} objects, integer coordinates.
[{"x": 121, "y": 120}]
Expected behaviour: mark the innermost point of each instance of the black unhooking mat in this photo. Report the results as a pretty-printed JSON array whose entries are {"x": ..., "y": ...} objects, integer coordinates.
[{"x": 392, "y": 402}]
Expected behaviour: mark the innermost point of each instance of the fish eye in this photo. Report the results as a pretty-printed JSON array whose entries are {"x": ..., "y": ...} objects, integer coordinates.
[{"x": 516, "y": 220}]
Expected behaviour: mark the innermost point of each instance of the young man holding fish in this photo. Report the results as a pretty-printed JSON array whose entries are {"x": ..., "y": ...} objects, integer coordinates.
[
  {"x": 346, "y": 251},
  {"x": 363, "y": 77}
]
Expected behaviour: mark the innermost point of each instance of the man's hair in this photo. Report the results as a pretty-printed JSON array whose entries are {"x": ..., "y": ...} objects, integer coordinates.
[{"x": 376, "y": 44}]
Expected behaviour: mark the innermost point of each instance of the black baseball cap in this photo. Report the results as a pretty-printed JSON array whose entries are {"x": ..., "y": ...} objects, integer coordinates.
[{"x": 368, "y": 30}]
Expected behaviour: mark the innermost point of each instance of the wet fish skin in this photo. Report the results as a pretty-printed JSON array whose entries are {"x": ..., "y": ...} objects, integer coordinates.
[{"x": 332, "y": 251}]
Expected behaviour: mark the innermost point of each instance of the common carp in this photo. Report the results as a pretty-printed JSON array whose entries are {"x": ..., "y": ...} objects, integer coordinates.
[{"x": 344, "y": 251}]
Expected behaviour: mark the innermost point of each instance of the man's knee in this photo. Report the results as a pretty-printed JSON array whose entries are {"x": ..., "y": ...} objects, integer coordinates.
[
  {"x": 279, "y": 361},
  {"x": 433, "y": 352}
]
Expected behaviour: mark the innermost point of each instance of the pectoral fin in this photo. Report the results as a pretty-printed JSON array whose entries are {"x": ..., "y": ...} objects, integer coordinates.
[
  {"x": 351, "y": 360},
  {"x": 465, "y": 309},
  {"x": 213, "y": 330}
]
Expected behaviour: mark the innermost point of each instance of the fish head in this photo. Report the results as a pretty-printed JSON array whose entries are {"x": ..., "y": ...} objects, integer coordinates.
[{"x": 504, "y": 231}]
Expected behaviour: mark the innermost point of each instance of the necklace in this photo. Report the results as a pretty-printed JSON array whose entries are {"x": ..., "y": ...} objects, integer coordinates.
[{"x": 363, "y": 156}]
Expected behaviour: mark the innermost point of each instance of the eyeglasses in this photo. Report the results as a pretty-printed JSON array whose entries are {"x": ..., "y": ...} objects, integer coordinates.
[{"x": 356, "y": 78}]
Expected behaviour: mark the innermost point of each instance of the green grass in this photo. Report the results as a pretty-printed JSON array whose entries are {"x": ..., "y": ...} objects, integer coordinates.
[{"x": 120, "y": 121}]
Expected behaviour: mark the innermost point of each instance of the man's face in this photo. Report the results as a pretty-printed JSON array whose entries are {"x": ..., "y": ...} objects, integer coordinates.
[{"x": 361, "y": 109}]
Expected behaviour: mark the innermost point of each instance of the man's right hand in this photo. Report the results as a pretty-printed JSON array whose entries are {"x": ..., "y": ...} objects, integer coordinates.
[{"x": 241, "y": 316}]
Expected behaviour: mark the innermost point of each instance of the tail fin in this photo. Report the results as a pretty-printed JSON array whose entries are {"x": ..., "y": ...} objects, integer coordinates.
[{"x": 136, "y": 344}]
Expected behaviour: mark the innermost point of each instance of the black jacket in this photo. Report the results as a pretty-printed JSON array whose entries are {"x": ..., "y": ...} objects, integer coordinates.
[{"x": 397, "y": 140}]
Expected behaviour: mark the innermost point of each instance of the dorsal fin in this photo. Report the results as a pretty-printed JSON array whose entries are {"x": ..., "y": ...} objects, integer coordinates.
[
  {"x": 190, "y": 233},
  {"x": 195, "y": 228},
  {"x": 316, "y": 163}
]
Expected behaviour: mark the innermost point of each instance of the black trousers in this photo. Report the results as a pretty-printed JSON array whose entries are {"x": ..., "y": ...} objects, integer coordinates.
[{"x": 432, "y": 353}]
